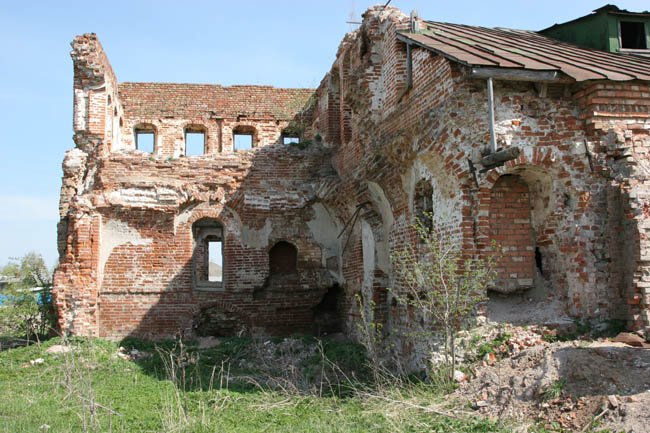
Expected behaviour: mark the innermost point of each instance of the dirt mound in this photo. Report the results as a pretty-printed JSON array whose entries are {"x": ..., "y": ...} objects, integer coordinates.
[{"x": 567, "y": 385}]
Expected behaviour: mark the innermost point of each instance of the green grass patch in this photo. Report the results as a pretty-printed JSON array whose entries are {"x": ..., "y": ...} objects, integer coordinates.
[{"x": 93, "y": 389}]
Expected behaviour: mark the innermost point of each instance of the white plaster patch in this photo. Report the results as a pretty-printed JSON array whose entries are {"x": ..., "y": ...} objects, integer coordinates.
[
  {"x": 115, "y": 233},
  {"x": 143, "y": 197},
  {"x": 446, "y": 198},
  {"x": 325, "y": 230},
  {"x": 74, "y": 159},
  {"x": 182, "y": 218},
  {"x": 579, "y": 148},
  {"x": 368, "y": 246},
  {"x": 257, "y": 202},
  {"x": 256, "y": 238},
  {"x": 383, "y": 206},
  {"x": 89, "y": 180},
  {"x": 80, "y": 109}
]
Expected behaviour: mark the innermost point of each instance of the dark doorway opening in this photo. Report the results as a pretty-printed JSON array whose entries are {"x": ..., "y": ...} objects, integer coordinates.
[{"x": 326, "y": 314}]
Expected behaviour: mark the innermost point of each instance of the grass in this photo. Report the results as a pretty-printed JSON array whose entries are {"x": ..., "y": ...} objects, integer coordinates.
[
  {"x": 181, "y": 389},
  {"x": 554, "y": 390},
  {"x": 493, "y": 345}
]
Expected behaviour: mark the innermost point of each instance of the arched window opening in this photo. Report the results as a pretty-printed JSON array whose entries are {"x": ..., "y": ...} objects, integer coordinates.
[
  {"x": 195, "y": 140},
  {"x": 145, "y": 138},
  {"x": 283, "y": 258},
  {"x": 423, "y": 202},
  {"x": 244, "y": 137},
  {"x": 290, "y": 136},
  {"x": 208, "y": 253}
]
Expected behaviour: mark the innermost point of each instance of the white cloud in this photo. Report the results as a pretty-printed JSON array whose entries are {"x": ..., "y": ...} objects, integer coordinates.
[{"x": 28, "y": 208}]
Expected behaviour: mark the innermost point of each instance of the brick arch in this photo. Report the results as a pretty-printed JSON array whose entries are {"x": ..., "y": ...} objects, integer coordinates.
[
  {"x": 191, "y": 213},
  {"x": 533, "y": 165},
  {"x": 224, "y": 214},
  {"x": 455, "y": 160},
  {"x": 449, "y": 183},
  {"x": 540, "y": 159},
  {"x": 511, "y": 227},
  {"x": 193, "y": 126},
  {"x": 146, "y": 127},
  {"x": 225, "y": 305},
  {"x": 220, "y": 318}
]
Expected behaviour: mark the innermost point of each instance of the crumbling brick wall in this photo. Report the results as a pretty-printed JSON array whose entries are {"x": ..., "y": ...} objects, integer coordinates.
[
  {"x": 569, "y": 211},
  {"x": 617, "y": 117},
  {"x": 127, "y": 244},
  {"x": 347, "y": 197}
]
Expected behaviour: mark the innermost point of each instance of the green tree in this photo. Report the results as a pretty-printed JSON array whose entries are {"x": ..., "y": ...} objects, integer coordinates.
[
  {"x": 26, "y": 310},
  {"x": 443, "y": 285}
]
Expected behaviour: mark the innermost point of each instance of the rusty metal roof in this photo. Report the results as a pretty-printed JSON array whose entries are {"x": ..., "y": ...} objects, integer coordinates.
[{"x": 522, "y": 50}]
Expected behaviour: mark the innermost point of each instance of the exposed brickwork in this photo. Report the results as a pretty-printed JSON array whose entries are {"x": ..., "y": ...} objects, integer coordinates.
[
  {"x": 576, "y": 196},
  {"x": 568, "y": 199},
  {"x": 511, "y": 229},
  {"x": 618, "y": 120},
  {"x": 171, "y": 108}
]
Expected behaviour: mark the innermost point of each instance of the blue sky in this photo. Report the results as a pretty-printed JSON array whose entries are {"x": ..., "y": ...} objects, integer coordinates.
[{"x": 281, "y": 43}]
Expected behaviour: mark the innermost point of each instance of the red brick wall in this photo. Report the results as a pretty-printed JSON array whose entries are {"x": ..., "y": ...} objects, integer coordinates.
[
  {"x": 440, "y": 123},
  {"x": 171, "y": 108},
  {"x": 147, "y": 287},
  {"x": 126, "y": 237},
  {"x": 579, "y": 159},
  {"x": 511, "y": 229},
  {"x": 618, "y": 120}
]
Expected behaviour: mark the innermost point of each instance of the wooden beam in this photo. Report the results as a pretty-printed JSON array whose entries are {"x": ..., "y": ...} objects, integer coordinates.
[
  {"x": 507, "y": 74},
  {"x": 500, "y": 157}
]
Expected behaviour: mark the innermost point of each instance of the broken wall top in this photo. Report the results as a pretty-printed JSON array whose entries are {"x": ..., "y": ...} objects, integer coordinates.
[{"x": 188, "y": 100}]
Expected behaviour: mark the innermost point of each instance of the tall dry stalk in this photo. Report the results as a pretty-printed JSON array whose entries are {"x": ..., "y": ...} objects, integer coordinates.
[{"x": 78, "y": 363}]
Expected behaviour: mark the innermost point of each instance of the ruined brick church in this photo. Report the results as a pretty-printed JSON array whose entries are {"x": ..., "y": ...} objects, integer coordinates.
[{"x": 256, "y": 210}]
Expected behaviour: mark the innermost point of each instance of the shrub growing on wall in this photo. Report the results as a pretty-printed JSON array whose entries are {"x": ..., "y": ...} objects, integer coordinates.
[{"x": 441, "y": 284}]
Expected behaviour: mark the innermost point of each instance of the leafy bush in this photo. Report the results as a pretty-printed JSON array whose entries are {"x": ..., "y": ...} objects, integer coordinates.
[
  {"x": 441, "y": 283},
  {"x": 26, "y": 311}
]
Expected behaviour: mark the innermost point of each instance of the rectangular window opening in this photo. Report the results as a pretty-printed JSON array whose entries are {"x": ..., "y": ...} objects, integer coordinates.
[
  {"x": 215, "y": 261},
  {"x": 290, "y": 139},
  {"x": 633, "y": 35},
  {"x": 145, "y": 141},
  {"x": 243, "y": 141},
  {"x": 194, "y": 143}
]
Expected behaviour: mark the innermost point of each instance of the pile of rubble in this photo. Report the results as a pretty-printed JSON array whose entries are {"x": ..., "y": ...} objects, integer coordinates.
[{"x": 569, "y": 385}]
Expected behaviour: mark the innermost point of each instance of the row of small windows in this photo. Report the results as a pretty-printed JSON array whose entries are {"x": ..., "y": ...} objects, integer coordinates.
[
  {"x": 208, "y": 258},
  {"x": 195, "y": 142}
]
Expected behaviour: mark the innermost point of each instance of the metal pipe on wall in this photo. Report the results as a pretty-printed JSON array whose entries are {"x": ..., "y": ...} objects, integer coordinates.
[{"x": 490, "y": 95}]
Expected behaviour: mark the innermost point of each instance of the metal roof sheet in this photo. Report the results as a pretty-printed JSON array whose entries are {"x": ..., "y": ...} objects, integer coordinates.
[{"x": 525, "y": 50}]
